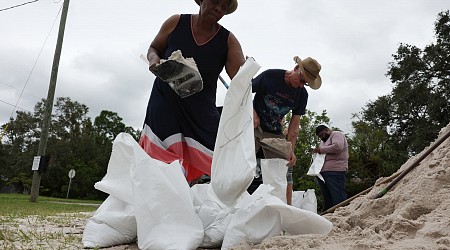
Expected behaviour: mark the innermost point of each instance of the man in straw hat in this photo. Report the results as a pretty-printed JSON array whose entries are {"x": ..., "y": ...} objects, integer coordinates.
[{"x": 278, "y": 92}]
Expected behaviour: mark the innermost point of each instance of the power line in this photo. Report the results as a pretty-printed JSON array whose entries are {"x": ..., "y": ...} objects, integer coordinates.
[
  {"x": 35, "y": 62},
  {"x": 15, "y": 106},
  {"x": 9, "y": 85},
  {"x": 18, "y": 5}
]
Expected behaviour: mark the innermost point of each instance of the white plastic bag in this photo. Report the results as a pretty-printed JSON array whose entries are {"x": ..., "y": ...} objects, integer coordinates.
[
  {"x": 309, "y": 201},
  {"x": 165, "y": 214},
  {"x": 214, "y": 216},
  {"x": 262, "y": 215},
  {"x": 274, "y": 174},
  {"x": 234, "y": 159},
  {"x": 117, "y": 180},
  {"x": 152, "y": 199},
  {"x": 297, "y": 198},
  {"x": 316, "y": 166},
  {"x": 112, "y": 224},
  {"x": 305, "y": 200}
]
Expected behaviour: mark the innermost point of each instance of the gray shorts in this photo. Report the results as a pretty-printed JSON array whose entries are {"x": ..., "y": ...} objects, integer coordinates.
[{"x": 289, "y": 175}]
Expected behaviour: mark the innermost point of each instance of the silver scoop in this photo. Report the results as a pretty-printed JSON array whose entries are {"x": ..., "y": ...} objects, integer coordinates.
[{"x": 184, "y": 80}]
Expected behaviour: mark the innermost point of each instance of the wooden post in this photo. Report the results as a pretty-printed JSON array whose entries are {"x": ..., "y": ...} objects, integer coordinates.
[{"x": 49, "y": 102}]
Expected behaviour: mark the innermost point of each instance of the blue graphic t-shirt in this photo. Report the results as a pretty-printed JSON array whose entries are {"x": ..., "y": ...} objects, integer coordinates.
[{"x": 274, "y": 99}]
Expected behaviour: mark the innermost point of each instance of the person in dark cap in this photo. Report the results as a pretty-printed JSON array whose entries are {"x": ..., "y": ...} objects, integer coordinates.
[
  {"x": 185, "y": 129},
  {"x": 278, "y": 92},
  {"x": 334, "y": 145}
]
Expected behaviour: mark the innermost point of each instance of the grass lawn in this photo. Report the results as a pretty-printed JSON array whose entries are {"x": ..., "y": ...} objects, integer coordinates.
[
  {"x": 49, "y": 223},
  {"x": 20, "y": 205}
]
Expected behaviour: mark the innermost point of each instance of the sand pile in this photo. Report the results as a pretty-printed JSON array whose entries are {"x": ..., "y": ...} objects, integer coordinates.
[{"x": 415, "y": 214}]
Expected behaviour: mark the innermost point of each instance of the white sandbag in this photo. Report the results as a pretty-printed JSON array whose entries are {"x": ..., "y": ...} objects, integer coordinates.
[
  {"x": 261, "y": 190},
  {"x": 203, "y": 192},
  {"x": 300, "y": 221},
  {"x": 297, "y": 198},
  {"x": 274, "y": 174},
  {"x": 165, "y": 214},
  {"x": 117, "y": 180},
  {"x": 254, "y": 222},
  {"x": 213, "y": 214},
  {"x": 317, "y": 162},
  {"x": 216, "y": 221},
  {"x": 263, "y": 215},
  {"x": 234, "y": 158},
  {"x": 305, "y": 200},
  {"x": 112, "y": 224},
  {"x": 309, "y": 201},
  {"x": 157, "y": 194}
]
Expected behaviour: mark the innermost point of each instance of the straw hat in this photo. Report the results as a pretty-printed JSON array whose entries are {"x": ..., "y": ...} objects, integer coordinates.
[
  {"x": 311, "y": 68},
  {"x": 233, "y": 6}
]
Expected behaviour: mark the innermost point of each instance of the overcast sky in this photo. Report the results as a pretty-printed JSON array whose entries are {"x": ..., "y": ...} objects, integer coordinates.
[{"x": 100, "y": 67}]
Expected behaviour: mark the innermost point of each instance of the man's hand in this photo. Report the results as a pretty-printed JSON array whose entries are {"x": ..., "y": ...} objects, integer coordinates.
[
  {"x": 255, "y": 119},
  {"x": 316, "y": 150},
  {"x": 292, "y": 160}
]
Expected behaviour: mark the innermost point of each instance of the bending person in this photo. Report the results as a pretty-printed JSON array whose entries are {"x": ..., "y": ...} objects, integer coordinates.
[
  {"x": 185, "y": 129},
  {"x": 278, "y": 92}
]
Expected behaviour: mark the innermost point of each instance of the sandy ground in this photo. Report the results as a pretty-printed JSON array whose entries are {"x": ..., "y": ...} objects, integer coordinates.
[
  {"x": 415, "y": 214},
  {"x": 63, "y": 231}
]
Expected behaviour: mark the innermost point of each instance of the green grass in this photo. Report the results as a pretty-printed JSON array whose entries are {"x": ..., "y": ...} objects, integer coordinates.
[
  {"x": 49, "y": 223},
  {"x": 20, "y": 205}
]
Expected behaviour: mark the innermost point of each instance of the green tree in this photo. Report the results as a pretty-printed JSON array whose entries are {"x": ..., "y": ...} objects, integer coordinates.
[
  {"x": 67, "y": 144},
  {"x": 74, "y": 143},
  {"x": 109, "y": 124},
  {"x": 371, "y": 156},
  {"x": 418, "y": 106},
  {"x": 402, "y": 123},
  {"x": 17, "y": 148},
  {"x": 21, "y": 182}
]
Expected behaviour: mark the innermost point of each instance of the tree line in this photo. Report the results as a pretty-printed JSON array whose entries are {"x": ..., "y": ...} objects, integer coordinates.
[
  {"x": 396, "y": 126},
  {"x": 74, "y": 142},
  {"x": 385, "y": 133}
]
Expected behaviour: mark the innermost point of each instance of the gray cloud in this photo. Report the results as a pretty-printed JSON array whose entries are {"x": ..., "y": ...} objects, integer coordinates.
[{"x": 100, "y": 65}]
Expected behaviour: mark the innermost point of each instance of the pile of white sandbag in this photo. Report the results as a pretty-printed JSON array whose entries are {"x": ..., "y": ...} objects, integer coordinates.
[{"x": 151, "y": 202}]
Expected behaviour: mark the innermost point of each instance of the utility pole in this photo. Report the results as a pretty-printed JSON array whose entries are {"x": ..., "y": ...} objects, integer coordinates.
[{"x": 49, "y": 102}]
